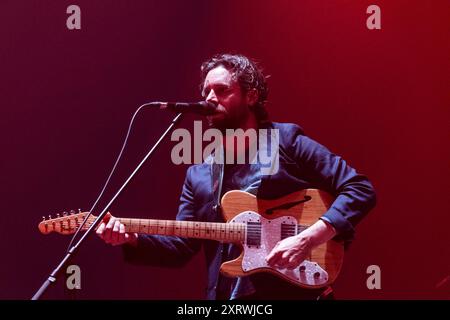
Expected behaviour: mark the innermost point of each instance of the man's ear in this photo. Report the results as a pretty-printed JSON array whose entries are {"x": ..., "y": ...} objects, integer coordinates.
[{"x": 252, "y": 97}]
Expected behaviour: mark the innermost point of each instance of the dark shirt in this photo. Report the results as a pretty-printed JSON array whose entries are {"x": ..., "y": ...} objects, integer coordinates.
[{"x": 245, "y": 177}]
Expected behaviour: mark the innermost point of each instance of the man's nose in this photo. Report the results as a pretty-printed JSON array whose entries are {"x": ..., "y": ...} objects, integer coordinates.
[{"x": 212, "y": 97}]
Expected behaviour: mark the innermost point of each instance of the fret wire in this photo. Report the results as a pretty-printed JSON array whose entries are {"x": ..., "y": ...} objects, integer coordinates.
[
  {"x": 169, "y": 226},
  {"x": 202, "y": 229}
]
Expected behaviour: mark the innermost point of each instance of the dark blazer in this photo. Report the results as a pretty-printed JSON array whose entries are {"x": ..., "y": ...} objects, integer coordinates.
[{"x": 303, "y": 163}]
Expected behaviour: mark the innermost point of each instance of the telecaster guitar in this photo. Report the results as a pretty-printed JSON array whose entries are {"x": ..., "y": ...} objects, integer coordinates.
[{"x": 255, "y": 224}]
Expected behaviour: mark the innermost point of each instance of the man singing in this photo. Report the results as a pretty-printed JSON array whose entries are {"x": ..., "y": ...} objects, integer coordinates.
[{"x": 237, "y": 86}]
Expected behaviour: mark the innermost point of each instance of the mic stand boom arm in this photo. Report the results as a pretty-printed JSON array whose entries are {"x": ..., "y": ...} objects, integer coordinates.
[{"x": 53, "y": 276}]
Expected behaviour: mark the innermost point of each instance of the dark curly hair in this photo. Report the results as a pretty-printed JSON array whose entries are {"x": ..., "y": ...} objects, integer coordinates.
[{"x": 247, "y": 73}]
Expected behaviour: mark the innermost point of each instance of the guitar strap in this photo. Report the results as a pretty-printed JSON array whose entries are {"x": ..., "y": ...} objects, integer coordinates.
[
  {"x": 216, "y": 183},
  {"x": 217, "y": 172}
]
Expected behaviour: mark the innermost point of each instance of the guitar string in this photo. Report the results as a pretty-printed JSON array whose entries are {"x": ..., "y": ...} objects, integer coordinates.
[
  {"x": 206, "y": 228},
  {"x": 254, "y": 231}
]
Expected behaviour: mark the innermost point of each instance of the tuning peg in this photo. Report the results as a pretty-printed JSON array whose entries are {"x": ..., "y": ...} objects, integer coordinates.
[
  {"x": 72, "y": 211},
  {"x": 50, "y": 216},
  {"x": 65, "y": 213},
  {"x": 79, "y": 210},
  {"x": 57, "y": 215},
  {"x": 43, "y": 218}
]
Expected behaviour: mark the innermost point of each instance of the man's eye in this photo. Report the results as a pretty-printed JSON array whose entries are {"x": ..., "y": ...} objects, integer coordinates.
[
  {"x": 223, "y": 90},
  {"x": 218, "y": 91}
]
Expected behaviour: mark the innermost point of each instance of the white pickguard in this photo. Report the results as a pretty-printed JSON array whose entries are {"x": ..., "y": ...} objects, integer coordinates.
[{"x": 308, "y": 272}]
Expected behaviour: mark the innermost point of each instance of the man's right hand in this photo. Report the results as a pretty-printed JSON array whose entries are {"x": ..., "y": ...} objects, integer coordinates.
[{"x": 113, "y": 232}]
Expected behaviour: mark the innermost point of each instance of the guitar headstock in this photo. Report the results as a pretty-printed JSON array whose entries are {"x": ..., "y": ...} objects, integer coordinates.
[{"x": 67, "y": 223}]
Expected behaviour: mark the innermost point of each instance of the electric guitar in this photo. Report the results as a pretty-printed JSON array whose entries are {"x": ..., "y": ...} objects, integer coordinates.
[{"x": 255, "y": 224}]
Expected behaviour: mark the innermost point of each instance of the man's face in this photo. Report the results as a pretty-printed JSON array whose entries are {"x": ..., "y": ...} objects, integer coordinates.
[{"x": 232, "y": 105}]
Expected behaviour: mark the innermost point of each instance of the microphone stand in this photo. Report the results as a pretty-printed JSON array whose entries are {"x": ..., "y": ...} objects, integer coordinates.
[{"x": 53, "y": 276}]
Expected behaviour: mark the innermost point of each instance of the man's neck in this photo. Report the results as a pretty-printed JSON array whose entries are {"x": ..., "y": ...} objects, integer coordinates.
[{"x": 229, "y": 141}]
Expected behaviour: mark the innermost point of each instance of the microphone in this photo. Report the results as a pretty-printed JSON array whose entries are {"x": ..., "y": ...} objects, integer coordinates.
[{"x": 204, "y": 108}]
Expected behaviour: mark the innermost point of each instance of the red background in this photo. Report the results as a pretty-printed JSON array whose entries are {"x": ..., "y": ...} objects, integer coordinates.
[{"x": 379, "y": 98}]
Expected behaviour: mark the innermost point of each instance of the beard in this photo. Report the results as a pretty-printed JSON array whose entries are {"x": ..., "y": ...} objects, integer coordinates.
[
  {"x": 225, "y": 120},
  {"x": 220, "y": 121}
]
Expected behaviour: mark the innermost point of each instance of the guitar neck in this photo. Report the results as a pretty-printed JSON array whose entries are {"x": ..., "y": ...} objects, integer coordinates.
[{"x": 225, "y": 232}]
